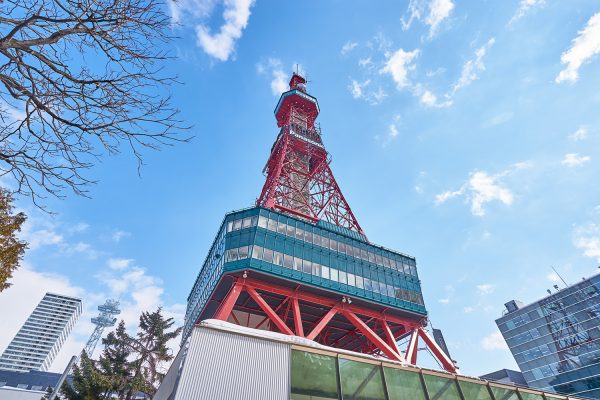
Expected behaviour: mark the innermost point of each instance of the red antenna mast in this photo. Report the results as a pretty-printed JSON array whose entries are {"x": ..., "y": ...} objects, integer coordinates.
[{"x": 299, "y": 179}]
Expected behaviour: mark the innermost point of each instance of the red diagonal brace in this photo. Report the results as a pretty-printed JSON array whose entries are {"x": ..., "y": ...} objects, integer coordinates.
[
  {"x": 229, "y": 302},
  {"x": 437, "y": 351},
  {"x": 372, "y": 336},
  {"x": 324, "y": 321},
  {"x": 297, "y": 318},
  {"x": 411, "y": 348},
  {"x": 269, "y": 311},
  {"x": 390, "y": 339}
]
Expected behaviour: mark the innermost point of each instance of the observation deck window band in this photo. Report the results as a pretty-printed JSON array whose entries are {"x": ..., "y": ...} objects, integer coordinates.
[
  {"x": 278, "y": 258},
  {"x": 322, "y": 241}
]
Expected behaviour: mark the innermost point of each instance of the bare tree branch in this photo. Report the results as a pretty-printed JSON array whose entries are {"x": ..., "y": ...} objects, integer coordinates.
[{"x": 78, "y": 79}]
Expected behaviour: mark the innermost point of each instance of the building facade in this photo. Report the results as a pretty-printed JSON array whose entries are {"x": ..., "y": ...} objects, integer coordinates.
[
  {"x": 42, "y": 335},
  {"x": 556, "y": 340},
  {"x": 223, "y": 361}
]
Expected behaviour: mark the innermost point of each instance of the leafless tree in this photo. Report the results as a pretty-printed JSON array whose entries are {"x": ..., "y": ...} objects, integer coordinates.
[{"x": 79, "y": 79}]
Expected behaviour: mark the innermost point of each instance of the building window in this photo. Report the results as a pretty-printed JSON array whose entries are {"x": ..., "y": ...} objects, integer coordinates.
[
  {"x": 474, "y": 391},
  {"x": 360, "y": 380},
  {"x": 403, "y": 384},
  {"x": 440, "y": 387},
  {"x": 313, "y": 376}
]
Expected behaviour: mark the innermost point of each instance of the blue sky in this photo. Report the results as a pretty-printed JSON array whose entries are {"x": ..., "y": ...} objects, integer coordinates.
[{"x": 466, "y": 134}]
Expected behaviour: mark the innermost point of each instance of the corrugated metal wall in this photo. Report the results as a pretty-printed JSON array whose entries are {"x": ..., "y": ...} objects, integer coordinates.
[{"x": 225, "y": 366}]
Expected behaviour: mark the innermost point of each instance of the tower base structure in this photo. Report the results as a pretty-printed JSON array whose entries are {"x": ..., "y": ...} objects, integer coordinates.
[{"x": 262, "y": 272}]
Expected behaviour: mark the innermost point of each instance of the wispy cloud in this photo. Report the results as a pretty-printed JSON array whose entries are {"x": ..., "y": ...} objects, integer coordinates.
[
  {"x": 398, "y": 65},
  {"x": 430, "y": 12},
  {"x": 357, "y": 88},
  {"x": 482, "y": 187},
  {"x": 493, "y": 341},
  {"x": 221, "y": 45},
  {"x": 348, "y": 47},
  {"x": 587, "y": 238},
  {"x": 580, "y": 134},
  {"x": 485, "y": 289},
  {"x": 524, "y": 7},
  {"x": 471, "y": 69},
  {"x": 273, "y": 67},
  {"x": 575, "y": 160},
  {"x": 118, "y": 235},
  {"x": 583, "y": 48}
]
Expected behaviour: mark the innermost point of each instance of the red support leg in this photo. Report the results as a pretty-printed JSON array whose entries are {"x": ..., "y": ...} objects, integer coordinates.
[
  {"x": 297, "y": 318},
  {"x": 412, "y": 348},
  {"x": 390, "y": 339},
  {"x": 437, "y": 351},
  {"x": 269, "y": 311},
  {"x": 372, "y": 336},
  {"x": 324, "y": 321},
  {"x": 229, "y": 301}
]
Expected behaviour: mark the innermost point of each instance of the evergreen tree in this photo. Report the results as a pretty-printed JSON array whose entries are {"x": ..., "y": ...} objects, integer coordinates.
[
  {"x": 115, "y": 361},
  {"x": 153, "y": 354},
  {"x": 11, "y": 248},
  {"x": 89, "y": 383}
]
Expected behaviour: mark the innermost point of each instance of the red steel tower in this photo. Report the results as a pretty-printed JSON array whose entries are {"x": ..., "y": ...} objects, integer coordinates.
[{"x": 299, "y": 262}]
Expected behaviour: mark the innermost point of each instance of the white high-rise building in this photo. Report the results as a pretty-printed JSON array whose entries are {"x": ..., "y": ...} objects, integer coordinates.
[{"x": 40, "y": 338}]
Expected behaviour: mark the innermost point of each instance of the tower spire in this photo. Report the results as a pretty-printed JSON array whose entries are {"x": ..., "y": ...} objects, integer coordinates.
[{"x": 299, "y": 180}]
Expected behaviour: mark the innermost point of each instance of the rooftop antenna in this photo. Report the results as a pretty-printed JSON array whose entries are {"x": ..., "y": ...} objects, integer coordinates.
[
  {"x": 561, "y": 278},
  {"x": 105, "y": 319}
]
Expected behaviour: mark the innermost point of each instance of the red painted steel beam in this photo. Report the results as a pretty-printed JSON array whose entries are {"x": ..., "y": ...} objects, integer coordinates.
[
  {"x": 372, "y": 336},
  {"x": 411, "y": 348},
  {"x": 297, "y": 318},
  {"x": 326, "y": 301},
  {"x": 390, "y": 339},
  {"x": 437, "y": 351},
  {"x": 229, "y": 301},
  {"x": 324, "y": 321},
  {"x": 269, "y": 311}
]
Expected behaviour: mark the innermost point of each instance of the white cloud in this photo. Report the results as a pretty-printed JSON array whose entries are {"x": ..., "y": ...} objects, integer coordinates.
[
  {"x": 398, "y": 65},
  {"x": 439, "y": 10},
  {"x": 468, "y": 309},
  {"x": 587, "y": 238},
  {"x": 485, "y": 289},
  {"x": 493, "y": 341},
  {"x": 42, "y": 237},
  {"x": 357, "y": 89},
  {"x": 444, "y": 301},
  {"x": 78, "y": 228},
  {"x": 221, "y": 45},
  {"x": 500, "y": 118},
  {"x": 431, "y": 12},
  {"x": 472, "y": 67},
  {"x": 392, "y": 131},
  {"x": 118, "y": 235},
  {"x": 524, "y": 7},
  {"x": 575, "y": 160},
  {"x": 119, "y": 263},
  {"x": 429, "y": 99},
  {"x": 580, "y": 134},
  {"x": 583, "y": 48},
  {"x": 365, "y": 62},
  {"x": 348, "y": 47},
  {"x": 482, "y": 188},
  {"x": 184, "y": 10},
  {"x": 279, "y": 79}
]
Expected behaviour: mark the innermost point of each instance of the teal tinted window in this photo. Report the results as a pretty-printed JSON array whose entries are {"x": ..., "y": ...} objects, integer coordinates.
[
  {"x": 403, "y": 385},
  {"x": 440, "y": 388},
  {"x": 313, "y": 376},
  {"x": 474, "y": 391},
  {"x": 504, "y": 394},
  {"x": 361, "y": 381}
]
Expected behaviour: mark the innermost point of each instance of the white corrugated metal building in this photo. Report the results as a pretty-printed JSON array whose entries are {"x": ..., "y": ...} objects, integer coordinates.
[{"x": 223, "y": 361}]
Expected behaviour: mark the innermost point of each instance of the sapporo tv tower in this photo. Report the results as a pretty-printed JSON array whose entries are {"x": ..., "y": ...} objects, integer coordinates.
[{"x": 300, "y": 264}]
